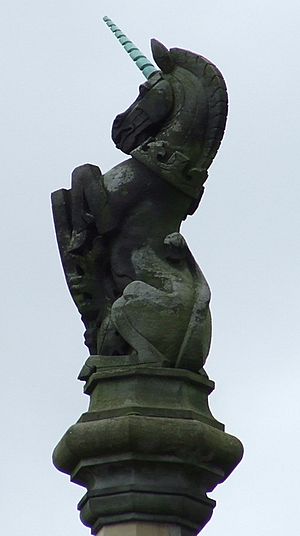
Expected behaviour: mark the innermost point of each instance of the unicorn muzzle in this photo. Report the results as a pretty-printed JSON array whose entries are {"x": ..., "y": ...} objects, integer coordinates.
[{"x": 144, "y": 117}]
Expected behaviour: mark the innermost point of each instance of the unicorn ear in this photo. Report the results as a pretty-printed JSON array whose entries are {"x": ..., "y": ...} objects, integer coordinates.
[{"x": 161, "y": 56}]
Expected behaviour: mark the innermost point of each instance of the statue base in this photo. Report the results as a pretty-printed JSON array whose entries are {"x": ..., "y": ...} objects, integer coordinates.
[
  {"x": 148, "y": 450},
  {"x": 143, "y": 529}
]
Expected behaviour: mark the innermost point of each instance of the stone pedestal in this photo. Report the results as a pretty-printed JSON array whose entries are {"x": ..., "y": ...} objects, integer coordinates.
[
  {"x": 148, "y": 450},
  {"x": 142, "y": 529}
]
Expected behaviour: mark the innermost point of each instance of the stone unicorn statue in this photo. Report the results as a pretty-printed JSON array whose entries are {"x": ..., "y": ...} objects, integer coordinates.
[{"x": 139, "y": 290}]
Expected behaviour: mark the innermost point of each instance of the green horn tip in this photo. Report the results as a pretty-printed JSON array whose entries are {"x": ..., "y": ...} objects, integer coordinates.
[{"x": 136, "y": 55}]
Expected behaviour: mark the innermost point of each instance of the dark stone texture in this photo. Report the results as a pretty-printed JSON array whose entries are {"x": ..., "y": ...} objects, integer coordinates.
[
  {"x": 148, "y": 448},
  {"x": 130, "y": 272}
]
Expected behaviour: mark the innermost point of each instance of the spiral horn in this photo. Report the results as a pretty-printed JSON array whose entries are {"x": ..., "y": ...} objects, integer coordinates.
[{"x": 138, "y": 57}]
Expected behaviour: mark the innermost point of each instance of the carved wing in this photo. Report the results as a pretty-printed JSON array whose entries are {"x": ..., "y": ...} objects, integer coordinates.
[{"x": 81, "y": 218}]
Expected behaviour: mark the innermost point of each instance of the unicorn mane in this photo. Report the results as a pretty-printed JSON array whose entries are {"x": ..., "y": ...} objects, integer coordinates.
[{"x": 217, "y": 99}]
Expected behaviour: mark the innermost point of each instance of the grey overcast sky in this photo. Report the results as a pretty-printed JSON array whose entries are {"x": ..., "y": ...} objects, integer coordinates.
[{"x": 64, "y": 78}]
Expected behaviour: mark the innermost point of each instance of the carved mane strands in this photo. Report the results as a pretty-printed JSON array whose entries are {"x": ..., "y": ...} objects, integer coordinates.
[{"x": 217, "y": 99}]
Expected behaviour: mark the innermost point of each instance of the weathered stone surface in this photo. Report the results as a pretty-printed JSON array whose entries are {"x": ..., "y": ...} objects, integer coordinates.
[
  {"x": 130, "y": 272},
  {"x": 148, "y": 450},
  {"x": 143, "y": 529}
]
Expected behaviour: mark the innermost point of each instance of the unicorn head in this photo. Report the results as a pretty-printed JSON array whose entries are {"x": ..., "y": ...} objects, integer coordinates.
[{"x": 176, "y": 124}]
